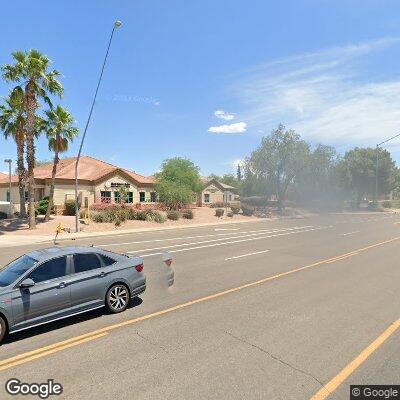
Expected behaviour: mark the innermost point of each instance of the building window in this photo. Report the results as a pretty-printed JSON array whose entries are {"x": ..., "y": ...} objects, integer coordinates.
[
  {"x": 8, "y": 196},
  {"x": 153, "y": 197},
  {"x": 142, "y": 197},
  {"x": 230, "y": 197},
  {"x": 129, "y": 197},
  {"x": 105, "y": 197},
  {"x": 26, "y": 196},
  {"x": 206, "y": 197}
]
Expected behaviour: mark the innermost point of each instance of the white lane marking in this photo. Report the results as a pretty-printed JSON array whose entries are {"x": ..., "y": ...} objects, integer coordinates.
[
  {"x": 232, "y": 242},
  {"x": 201, "y": 236},
  {"x": 350, "y": 233},
  {"x": 226, "y": 229},
  {"x": 246, "y": 255},
  {"x": 213, "y": 240}
]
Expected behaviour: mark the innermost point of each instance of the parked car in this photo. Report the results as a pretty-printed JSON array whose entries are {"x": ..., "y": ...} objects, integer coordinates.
[{"x": 55, "y": 283}]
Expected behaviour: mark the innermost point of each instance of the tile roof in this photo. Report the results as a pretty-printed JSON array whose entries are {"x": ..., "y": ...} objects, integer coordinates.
[
  {"x": 221, "y": 184},
  {"x": 225, "y": 186},
  {"x": 89, "y": 169}
]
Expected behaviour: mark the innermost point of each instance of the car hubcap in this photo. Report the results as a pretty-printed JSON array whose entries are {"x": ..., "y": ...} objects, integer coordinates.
[{"x": 118, "y": 297}]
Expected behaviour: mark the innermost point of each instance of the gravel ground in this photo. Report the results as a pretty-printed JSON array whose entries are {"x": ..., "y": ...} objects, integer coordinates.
[{"x": 20, "y": 227}]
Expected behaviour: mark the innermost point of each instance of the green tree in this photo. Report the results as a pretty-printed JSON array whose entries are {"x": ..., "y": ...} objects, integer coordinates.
[
  {"x": 12, "y": 123},
  {"x": 178, "y": 183},
  {"x": 253, "y": 184},
  {"x": 31, "y": 69},
  {"x": 357, "y": 171},
  {"x": 239, "y": 173},
  {"x": 317, "y": 181},
  {"x": 280, "y": 157},
  {"x": 60, "y": 132},
  {"x": 230, "y": 179}
]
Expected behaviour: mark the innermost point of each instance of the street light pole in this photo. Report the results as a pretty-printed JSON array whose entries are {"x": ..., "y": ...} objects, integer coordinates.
[
  {"x": 10, "y": 210},
  {"x": 377, "y": 164},
  {"x": 117, "y": 24}
]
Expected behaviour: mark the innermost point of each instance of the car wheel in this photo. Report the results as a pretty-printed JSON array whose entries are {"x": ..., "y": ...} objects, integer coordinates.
[
  {"x": 3, "y": 329},
  {"x": 117, "y": 298}
]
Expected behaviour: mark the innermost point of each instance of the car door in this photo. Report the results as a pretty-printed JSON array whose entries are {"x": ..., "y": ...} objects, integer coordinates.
[
  {"x": 50, "y": 296},
  {"x": 88, "y": 281}
]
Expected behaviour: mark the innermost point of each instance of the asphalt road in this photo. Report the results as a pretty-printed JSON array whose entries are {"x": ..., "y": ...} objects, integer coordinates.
[{"x": 261, "y": 310}]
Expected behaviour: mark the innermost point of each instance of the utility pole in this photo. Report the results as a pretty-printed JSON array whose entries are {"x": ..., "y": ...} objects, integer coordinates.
[
  {"x": 117, "y": 24},
  {"x": 377, "y": 165}
]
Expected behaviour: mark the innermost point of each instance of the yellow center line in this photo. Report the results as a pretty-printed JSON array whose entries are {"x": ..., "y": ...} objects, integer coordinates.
[
  {"x": 25, "y": 357},
  {"x": 333, "y": 384},
  {"x": 38, "y": 354},
  {"x": 354, "y": 253}
]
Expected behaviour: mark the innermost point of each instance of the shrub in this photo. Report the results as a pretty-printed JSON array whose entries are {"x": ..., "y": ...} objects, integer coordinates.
[
  {"x": 219, "y": 212},
  {"x": 173, "y": 215},
  {"x": 217, "y": 204},
  {"x": 69, "y": 207},
  {"x": 41, "y": 208},
  {"x": 159, "y": 218},
  {"x": 187, "y": 214},
  {"x": 98, "y": 216},
  {"x": 259, "y": 201},
  {"x": 373, "y": 206},
  {"x": 152, "y": 215},
  {"x": 387, "y": 204},
  {"x": 117, "y": 222},
  {"x": 247, "y": 211},
  {"x": 3, "y": 215},
  {"x": 230, "y": 214},
  {"x": 235, "y": 209}
]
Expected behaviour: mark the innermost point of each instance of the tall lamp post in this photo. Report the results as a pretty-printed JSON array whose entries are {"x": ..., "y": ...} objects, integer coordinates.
[
  {"x": 117, "y": 24},
  {"x": 10, "y": 210},
  {"x": 377, "y": 163}
]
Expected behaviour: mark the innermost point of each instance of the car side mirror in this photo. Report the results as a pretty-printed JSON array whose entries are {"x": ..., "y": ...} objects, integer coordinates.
[{"x": 27, "y": 283}]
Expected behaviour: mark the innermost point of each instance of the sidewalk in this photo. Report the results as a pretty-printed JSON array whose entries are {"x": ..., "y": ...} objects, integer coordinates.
[{"x": 14, "y": 240}]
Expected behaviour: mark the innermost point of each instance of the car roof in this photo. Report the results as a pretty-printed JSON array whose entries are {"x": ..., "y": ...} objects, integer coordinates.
[{"x": 51, "y": 252}]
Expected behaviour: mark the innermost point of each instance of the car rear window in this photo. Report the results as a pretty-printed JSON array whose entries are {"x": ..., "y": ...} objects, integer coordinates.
[
  {"x": 107, "y": 260},
  {"x": 86, "y": 262}
]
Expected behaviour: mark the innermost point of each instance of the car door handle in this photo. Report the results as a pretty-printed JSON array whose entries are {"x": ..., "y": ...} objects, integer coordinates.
[
  {"x": 62, "y": 285},
  {"x": 102, "y": 274}
]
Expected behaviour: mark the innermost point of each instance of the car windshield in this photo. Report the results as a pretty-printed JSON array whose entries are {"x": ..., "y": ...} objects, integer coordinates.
[{"x": 11, "y": 272}]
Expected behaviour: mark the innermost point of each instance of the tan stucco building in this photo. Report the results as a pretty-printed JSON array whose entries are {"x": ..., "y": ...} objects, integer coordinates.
[
  {"x": 218, "y": 192},
  {"x": 98, "y": 183}
]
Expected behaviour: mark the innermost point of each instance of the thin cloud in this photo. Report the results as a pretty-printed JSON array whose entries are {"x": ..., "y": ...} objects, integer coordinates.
[
  {"x": 328, "y": 96},
  {"x": 238, "y": 127},
  {"x": 221, "y": 114}
]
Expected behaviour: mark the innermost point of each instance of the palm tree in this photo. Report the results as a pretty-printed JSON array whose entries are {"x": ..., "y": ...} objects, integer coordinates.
[
  {"x": 31, "y": 69},
  {"x": 59, "y": 133},
  {"x": 12, "y": 123}
]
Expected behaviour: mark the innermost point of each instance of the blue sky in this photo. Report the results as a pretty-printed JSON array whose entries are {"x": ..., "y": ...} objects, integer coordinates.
[{"x": 328, "y": 68}]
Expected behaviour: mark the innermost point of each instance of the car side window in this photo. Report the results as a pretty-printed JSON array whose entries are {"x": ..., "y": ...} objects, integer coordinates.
[
  {"x": 86, "y": 262},
  {"x": 52, "y": 269},
  {"x": 107, "y": 260}
]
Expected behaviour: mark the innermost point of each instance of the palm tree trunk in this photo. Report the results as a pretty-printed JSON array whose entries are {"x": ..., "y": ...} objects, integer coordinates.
[
  {"x": 31, "y": 104},
  {"x": 53, "y": 178},
  {"x": 21, "y": 176}
]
